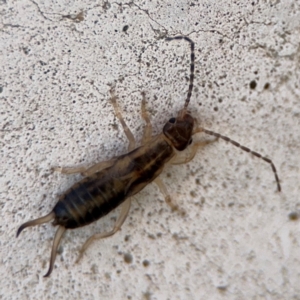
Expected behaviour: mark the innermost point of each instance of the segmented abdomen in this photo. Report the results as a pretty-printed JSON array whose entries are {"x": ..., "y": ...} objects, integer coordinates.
[{"x": 87, "y": 201}]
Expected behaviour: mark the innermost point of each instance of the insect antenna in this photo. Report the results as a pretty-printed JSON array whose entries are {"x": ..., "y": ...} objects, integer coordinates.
[
  {"x": 192, "y": 67},
  {"x": 227, "y": 139},
  {"x": 38, "y": 221}
]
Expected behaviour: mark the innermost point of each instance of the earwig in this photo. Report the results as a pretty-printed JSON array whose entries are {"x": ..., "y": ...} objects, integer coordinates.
[{"x": 111, "y": 183}]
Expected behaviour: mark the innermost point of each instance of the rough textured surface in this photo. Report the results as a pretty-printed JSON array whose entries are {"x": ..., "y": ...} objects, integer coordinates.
[{"x": 236, "y": 241}]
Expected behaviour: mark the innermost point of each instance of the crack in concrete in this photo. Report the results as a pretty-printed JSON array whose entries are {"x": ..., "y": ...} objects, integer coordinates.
[
  {"x": 147, "y": 13},
  {"x": 40, "y": 11}
]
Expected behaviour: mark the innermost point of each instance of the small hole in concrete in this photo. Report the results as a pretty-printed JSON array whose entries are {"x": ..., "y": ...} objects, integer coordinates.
[{"x": 252, "y": 84}]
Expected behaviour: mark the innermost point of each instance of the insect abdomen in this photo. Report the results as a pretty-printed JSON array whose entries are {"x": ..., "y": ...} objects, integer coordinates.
[{"x": 86, "y": 202}]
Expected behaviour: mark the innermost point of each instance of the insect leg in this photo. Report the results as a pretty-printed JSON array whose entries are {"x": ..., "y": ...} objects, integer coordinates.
[
  {"x": 58, "y": 235},
  {"x": 187, "y": 155},
  {"x": 148, "y": 128},
  {"x": 85, "y": 171},
  {"x": 69, "y": 170},
  {"x": 127, "y": 131},
  {"x": 98, "y": 167},
  {"x": 167, "y": 196},
  {"x": 121, "y": 219}
]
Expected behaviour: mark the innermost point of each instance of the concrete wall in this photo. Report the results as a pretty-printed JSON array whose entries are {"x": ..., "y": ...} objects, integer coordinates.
[{"x": 236, "y": 240}]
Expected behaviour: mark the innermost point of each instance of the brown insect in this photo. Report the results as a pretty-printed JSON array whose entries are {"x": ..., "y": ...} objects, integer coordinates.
[{"x": 111, "y": 183}]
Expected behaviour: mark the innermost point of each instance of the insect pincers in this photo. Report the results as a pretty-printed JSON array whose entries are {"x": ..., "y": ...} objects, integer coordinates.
[{"x": 108, "y": 184}]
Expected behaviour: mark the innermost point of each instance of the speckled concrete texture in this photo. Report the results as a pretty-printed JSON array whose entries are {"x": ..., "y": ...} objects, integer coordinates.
[{"x": 238, "y": 239}]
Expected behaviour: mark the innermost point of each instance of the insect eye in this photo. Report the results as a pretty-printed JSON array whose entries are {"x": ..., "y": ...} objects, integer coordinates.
[
  {"x": 190, "y": 141},
  {"x": 172, "y": 120}
]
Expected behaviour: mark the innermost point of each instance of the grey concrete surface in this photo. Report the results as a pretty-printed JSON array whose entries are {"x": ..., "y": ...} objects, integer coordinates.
[{"x": 236, "y": 241}]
